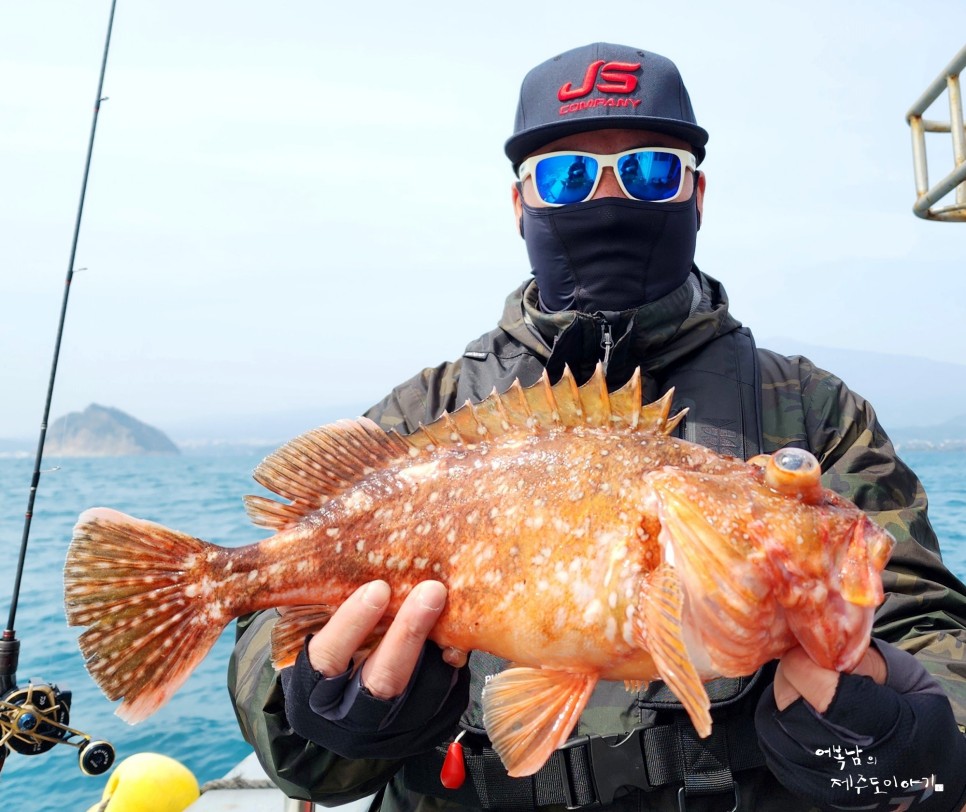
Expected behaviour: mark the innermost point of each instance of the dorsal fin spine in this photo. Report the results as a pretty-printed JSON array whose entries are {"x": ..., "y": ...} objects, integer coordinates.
[
  {"x": 672, "y": 423},
  {"x": 481, "y": 430},
  {"x": 568, "y": 384},
  {"x": 498, "y": 404}
]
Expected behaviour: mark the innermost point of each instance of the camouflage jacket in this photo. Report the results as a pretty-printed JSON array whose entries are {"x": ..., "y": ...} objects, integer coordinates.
[{"x": 801, "y": 405}]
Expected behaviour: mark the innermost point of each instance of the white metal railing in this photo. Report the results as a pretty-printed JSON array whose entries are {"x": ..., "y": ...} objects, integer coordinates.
[{"x": 926, "y": 198}]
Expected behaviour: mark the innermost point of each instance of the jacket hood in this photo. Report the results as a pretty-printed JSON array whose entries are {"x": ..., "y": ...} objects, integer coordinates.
[{"x": 652, "y": 337}]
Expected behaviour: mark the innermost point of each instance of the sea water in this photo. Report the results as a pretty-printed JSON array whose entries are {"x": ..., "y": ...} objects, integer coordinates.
[{"x": 200, "y": 495}]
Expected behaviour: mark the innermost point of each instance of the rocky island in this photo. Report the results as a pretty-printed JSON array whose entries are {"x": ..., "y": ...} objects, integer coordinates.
[{"x": 100, "y": 431}]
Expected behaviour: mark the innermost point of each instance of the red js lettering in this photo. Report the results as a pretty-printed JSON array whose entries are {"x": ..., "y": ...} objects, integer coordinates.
[{"x": 617, "y": 77}]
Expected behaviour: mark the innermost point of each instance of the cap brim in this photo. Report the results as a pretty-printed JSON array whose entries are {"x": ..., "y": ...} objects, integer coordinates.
[{"x": 522, "y": 144}]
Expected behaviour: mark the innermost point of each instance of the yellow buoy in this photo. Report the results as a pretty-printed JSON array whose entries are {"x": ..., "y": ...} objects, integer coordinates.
[{"x": 148, "y": 782}]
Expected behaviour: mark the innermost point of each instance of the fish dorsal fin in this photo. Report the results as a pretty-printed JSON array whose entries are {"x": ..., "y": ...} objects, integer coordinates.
[
  {"x": 317, "y": 466},
  {"x": 544, "y": 406},
  {"x": 322, "y": 463}
]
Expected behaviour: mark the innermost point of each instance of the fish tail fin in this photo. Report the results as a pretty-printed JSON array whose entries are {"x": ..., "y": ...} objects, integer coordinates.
[{"x": 134, "y": 585}]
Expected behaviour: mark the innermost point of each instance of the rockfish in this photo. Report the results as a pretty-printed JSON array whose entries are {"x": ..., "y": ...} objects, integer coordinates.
[{"x": 577, "y": 538}]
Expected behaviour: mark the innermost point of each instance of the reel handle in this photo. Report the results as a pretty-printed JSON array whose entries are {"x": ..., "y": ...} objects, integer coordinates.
[{"x": 35, "y": 718}]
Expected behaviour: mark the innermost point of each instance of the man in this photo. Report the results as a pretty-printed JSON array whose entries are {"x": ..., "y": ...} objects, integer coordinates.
[{"x": 609, "y": 200}]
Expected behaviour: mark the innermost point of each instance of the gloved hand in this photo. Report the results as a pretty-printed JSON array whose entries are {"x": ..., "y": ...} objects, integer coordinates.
[
  {"x": 339, "y": 714},
  {"x": 883, "y": 737},
  {"x": 405, "y": 699}
]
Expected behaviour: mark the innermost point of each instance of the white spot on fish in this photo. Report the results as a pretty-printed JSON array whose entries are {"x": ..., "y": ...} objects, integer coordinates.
[
  {"x": 420, "y": 563},
  {"x": 610, "y": 629},
  {"x": 419, "y": 473},
  {"x": 593, "y": 611},
  {"x": 560, "y": 618},
  {"x": 332, "y": 532},
  {"x": 338, "y": 548},
  {"x": 375, "y": 558},
  {"x": 360, "y": 545},
  {"x": 628, "y": 633},
  {"x": 359, "y": 501}
]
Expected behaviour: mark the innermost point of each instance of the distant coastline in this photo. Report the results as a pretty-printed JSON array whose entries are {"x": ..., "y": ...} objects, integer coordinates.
[{"x": 102, "y": 431}]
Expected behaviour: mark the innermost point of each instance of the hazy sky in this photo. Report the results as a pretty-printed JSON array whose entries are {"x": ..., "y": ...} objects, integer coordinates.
[{"x": 299, "y": 204}]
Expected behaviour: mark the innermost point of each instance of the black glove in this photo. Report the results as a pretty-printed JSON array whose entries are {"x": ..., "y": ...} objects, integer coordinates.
[
  {"x": 891, "y": 746},
  {"x": 339, "y": 714}
]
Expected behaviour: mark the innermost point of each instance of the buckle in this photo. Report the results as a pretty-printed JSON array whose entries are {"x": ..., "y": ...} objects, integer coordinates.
[
  {"x": 682, "y": 806},
  {"x": 613, "y": 762}
]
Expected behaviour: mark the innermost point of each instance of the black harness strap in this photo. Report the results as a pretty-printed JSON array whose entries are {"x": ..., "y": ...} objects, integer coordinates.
[{"x": 590, "y": 770}]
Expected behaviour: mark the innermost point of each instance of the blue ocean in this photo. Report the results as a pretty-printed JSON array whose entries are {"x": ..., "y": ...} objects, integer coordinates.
[{"x": 201, "y": 495}]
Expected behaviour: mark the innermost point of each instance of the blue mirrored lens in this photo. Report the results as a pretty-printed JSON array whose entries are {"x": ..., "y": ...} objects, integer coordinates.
[
  {"x": 565, "y": 179},
  {"x": 650, "y": 175}
]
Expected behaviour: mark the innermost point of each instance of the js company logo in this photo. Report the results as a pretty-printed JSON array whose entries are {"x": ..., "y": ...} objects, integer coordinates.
[{"x": 605, "y": 77}]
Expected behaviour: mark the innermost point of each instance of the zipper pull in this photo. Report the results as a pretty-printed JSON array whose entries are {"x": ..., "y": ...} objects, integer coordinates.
[
  {"x": 607, "y": 342},
  {"x": 453, "y": 773}
]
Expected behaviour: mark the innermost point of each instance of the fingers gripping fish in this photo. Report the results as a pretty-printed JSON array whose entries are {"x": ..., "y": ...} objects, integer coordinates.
[{"x": 577, "y": 538}]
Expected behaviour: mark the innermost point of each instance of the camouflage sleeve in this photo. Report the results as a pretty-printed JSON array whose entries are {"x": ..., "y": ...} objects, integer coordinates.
[
  {"x": 925, "y": 607},
  {"x": 421, "y": 399},
  {"x": 300, "y": 768}
]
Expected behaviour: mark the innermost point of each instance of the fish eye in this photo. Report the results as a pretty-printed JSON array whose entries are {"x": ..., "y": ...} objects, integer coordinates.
[
  {"x": 795, "y": 460},
  {"x": 796, "y": 473}
]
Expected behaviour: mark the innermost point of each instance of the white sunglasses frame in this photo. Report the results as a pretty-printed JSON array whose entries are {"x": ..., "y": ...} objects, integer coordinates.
[{"x": 528, "y": 167}]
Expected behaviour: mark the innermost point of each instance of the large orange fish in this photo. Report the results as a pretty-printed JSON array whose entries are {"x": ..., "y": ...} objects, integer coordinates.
[{"x": 577, "y": 538}]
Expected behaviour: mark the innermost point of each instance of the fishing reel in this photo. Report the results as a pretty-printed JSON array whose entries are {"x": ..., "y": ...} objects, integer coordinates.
[{"x": 35, "y": 717}]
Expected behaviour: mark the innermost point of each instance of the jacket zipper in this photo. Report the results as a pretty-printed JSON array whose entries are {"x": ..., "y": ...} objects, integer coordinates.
[{"x": 607, "y": 342}]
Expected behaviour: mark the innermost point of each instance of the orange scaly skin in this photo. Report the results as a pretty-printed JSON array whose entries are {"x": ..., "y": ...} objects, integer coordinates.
[{"x": 576, "y": 538}]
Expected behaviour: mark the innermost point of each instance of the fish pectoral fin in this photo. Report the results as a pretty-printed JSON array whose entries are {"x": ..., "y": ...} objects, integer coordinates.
[
  {"x": 294, "y": 623},
  {"x": 529, "y": 712},
  {"x": 860, "y": 579},
  {"x": 662, "y": 604}
]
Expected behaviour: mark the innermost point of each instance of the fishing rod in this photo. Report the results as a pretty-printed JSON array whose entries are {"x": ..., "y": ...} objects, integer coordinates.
[{"x": 35, "y": 717}]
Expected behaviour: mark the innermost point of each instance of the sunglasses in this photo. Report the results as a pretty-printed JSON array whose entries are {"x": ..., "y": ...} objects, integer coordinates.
[{"x": 653, "y": 174}]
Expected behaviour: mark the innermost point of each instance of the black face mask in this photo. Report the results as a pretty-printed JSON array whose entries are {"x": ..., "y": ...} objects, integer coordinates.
[{"x": 610, "y": 253}]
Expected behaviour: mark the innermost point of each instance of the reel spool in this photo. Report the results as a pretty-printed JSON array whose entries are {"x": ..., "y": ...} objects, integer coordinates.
[{"x": 36, "y": 717}]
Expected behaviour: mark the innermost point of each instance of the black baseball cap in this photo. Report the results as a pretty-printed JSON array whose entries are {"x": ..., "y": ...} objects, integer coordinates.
[{"x": 602, "y": 86}]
